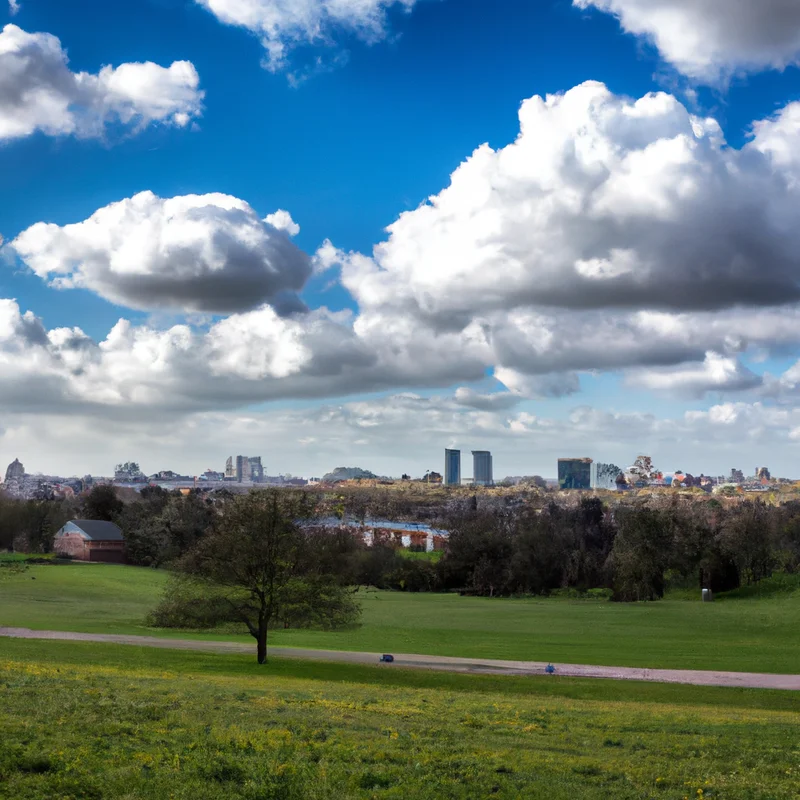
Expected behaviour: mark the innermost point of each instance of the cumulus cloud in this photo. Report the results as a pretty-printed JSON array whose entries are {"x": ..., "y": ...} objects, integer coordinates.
[
  {"x": 38, "y": 91},
  {"x": 282, "y": 221},
  {"x": 282, "y": 25},
  {"x": 709, "y": 39},
  {"x": 614, "y": 235},
  {"x": 601, "y": 202},
  {"x": 205, "y": 253}
]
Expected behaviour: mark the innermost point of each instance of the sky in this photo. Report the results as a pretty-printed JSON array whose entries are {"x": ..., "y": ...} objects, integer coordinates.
[{"x": 357, "y": 232}]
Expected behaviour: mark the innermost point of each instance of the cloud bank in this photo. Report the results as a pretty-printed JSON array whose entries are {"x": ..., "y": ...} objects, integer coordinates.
[
  {"x": 403, "y": 433},
  {"x": 39, "y": 93},
  {"x": 613, "y": 236}
]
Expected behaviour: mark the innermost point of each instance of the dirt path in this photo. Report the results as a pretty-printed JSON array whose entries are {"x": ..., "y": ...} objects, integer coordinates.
[{"x": 443, "y": 663}]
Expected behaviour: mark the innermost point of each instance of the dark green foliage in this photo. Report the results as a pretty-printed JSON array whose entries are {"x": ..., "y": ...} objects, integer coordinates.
[
  {"x": 641, "y": 554},
  {"x": 31, "y": 525},
  {"x": 162, "y": 527},
  {"x": 102, "y": 503}
]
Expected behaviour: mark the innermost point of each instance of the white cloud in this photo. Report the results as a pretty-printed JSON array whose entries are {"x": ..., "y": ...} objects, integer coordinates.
[
  {"x": 716, "y": 374},
  {"x": 778, "y": 138},
  {"x": 282, "y": 221},
  {"x": 206, "y": 253},
  {"x": 282, "y": 25},
  {"x": 38, "y": 92},
  {"x": 709, "y": 39},
  {"x": 13, "y": 7},
  {"x": 601, "y": 202}
]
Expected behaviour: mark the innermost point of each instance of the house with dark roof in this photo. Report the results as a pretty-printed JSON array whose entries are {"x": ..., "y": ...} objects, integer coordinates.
[{"x": 91, "y": 540}]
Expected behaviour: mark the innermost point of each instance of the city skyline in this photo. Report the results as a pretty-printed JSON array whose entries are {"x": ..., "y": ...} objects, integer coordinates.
[
  {"x": 249, "y": 469},
  {"x": 197, "y": 270}
]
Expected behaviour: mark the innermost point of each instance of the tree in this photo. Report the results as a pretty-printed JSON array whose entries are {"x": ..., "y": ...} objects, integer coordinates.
[
  {"x": 102, "y": 503},
  {"x": 129, "y": 467},
  {"x": 641, "y": 554},
  {"x": 745, "y": 537},
  {"x": 259, "y": 564}
]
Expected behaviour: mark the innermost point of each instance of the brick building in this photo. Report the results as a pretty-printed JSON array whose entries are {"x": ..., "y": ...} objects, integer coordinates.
[{"x": 91, "y": 540}]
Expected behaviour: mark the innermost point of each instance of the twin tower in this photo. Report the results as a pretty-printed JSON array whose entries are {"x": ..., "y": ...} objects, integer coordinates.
[{"x": 481, "y": 468}]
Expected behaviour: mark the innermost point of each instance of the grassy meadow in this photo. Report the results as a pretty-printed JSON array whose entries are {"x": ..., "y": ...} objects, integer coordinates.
[
  {"x": 754, "y": 630},
  {"x": 99, "y": 721}
]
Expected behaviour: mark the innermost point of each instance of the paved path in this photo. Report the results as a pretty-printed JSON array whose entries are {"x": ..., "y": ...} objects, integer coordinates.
[{"x": 750, "y": 680}]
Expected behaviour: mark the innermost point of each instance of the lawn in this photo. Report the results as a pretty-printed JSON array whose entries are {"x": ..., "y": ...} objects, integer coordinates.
[
  {"x": 754, "y": 631},
  {"x": 101, "y": 721}
]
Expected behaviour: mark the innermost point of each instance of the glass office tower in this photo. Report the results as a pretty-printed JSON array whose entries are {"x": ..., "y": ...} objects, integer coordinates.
[
  {"x": 452, "y": 467},
  {"x": 482, "y": 468}
]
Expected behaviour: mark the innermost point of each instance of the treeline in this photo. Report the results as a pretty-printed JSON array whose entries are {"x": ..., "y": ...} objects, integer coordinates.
[{"x": 634, "y": 548}]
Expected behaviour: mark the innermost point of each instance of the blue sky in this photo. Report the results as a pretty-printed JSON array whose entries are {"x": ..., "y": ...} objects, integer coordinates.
[{"x": 363, "y": 137}]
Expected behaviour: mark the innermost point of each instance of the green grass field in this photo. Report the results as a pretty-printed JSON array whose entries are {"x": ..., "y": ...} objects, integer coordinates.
[
  {"x": 107, "y": 722},
  {"x": 755, "y": 631}
]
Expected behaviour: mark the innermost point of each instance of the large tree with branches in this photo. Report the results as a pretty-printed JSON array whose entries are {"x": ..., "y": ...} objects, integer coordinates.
[{"x": 261, "y": 564}]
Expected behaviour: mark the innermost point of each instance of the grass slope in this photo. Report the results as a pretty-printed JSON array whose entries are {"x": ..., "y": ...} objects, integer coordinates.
[
  {"x": 97, "y": 721},
  {"x": 755, "y": 631}
]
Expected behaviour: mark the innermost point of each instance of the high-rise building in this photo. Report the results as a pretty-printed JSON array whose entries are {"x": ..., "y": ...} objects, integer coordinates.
[
  {"x": 230, "y": 469},
  {"x": 574, "y": 473},
  {"x": 242, "y": 469},
  {"x": 737, "y": 476},
  {"x": 482, "y": 473},
  {"x": 256, "y": 469},
  {"x": 452, "y": 467}
]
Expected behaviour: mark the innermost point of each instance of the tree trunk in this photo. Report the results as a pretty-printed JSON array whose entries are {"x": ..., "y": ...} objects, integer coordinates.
[{"x": 261, "y": 639}]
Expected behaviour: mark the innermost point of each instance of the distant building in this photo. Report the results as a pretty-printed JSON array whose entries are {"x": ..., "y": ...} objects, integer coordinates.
[
  {"x": 230, "y": 469},
  {"x": 256, "y": 469},
  {"x": 15, "y": 471},
  {"x": 452, "y": 467},
  {"x": 605, "y": 476},
  {"x": 482, "y": 469},
  {"x": 242, "y": 469},
  {"x": 575, "y": 473},
  {"x": 763, "y": 474},
  {"x": 91, "y": 540},
  {"x": 737, "y": 476}
]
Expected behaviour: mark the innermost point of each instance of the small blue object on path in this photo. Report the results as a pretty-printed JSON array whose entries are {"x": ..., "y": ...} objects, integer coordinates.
[
  {"x": 550, "y": 669},
  {"x": 387, "y": 659}
]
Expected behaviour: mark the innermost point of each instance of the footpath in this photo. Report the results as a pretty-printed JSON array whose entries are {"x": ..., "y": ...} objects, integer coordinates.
[{"x": 745, "y": 680}]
